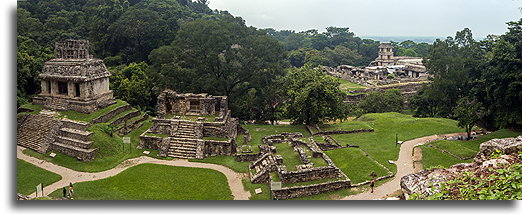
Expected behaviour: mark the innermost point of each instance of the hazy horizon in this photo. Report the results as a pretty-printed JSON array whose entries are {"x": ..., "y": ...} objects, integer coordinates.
[{"x": 387, "y": 18}]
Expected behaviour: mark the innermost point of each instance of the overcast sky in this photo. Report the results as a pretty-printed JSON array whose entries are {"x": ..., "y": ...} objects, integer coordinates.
[{"x": 439, "y": 18}]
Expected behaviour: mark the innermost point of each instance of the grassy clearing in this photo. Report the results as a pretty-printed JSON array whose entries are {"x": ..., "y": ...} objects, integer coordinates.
[
  {"x": 74, "y": 115},
  {"x": 346, "y": 126},
  {"x": 228, "y": 161},
  {"x": 432, "y": 157},
  {"x": 380, "y": 144},
  {"x": 111, "y": 152},
  {"x": 265, "y": 195},
  {"x": 347, "y": 85},
  {"x": 28, "y": 176},
  {"x": 259, "y": 131},
  {"x": 156, "y": 182},
  {"x": 355, "y": 164}
]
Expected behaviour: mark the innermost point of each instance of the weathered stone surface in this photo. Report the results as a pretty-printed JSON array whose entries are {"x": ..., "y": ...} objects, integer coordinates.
[
  {"x": 505, "y": 145},
  {"x": 423, "y": 181},
  {"x": 309, "y": 174},
  {"x": 301, "y": 191}
]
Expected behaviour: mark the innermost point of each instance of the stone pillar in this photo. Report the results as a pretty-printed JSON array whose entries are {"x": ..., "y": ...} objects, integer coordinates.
[
  {"x": 70, "y": 89},
  {"x": 43, "y": 87},
  {"x": 54, "y": 87}
]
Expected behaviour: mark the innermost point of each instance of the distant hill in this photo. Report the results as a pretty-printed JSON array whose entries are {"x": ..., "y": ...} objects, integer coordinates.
[{"x": 416, "y": 39}]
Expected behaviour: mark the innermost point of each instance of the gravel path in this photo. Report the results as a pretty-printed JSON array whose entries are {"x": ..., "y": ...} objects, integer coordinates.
[
  {"x": 69, "y": 175},
  {"x": 404, "y": 167}
]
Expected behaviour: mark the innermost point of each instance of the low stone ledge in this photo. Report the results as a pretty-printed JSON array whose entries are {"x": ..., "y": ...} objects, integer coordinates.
[
  {"x": 75, "y": 124},
  {"x": 80, "y": 154},
  {"x": 109, "y": 115}
]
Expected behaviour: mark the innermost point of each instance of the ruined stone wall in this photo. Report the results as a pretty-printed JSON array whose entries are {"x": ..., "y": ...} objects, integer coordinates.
[
  {"x": 301, "y": 191},
  {"x": 161, "y": 126},
  {"x": 214, "y": 148},
  {"x": 150, "y": 142},
  {"x": 215, "y": 129},
  {"x": 309, "y": 174}
]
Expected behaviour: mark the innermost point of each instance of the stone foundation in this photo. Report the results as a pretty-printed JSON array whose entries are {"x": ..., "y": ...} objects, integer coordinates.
[
  {"x": 83, "y": 105},
  {"x": 301, "y": 191}
]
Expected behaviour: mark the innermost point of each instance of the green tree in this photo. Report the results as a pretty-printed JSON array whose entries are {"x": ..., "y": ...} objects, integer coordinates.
[
  {"x": 378, "y": 102},
  {"x": 312, "y": 96},
  {"x": 468, "y": 112},
  {"x": 455, "y": 64},
  {"x": 132, "y": 84},
  {"x": 223, "y": 57},
  {"x": 500, "y": 86}
]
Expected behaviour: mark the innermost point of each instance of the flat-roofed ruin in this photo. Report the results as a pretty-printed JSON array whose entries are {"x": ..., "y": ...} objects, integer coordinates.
[{"x": 191, "y": 126}]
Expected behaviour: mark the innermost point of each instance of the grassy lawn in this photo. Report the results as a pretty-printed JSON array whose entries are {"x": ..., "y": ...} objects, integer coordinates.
[
  {"x": 228, "y": 161},
  {"x": 290, "y": 157},
  {"x": 455, "y": 148},
  {"x": 111, "y": 151},
  {"x": 432, "y": 157},
  {"x": 380, "y": 144},
  {"x": 347, "y": 85},
  {"x": 346, "y": 126},
  {"x": 259, "y": 131},
  {"x": 355, "y": 164},
  {"x": 74, "y": 115},
  {"x": 28, "y": 176},
  {"x": 156, "y": 182},
  {"x": 265, "y": 195}
]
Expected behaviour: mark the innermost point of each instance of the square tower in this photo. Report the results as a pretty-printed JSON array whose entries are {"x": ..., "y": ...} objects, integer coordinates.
[{"x": 385, "y": 57}]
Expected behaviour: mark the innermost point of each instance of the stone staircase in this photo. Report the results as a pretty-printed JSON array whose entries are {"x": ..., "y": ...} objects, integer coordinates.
[
  {"x": 186, "y": 148},
  {"x": 185, "y": 129},
  {"x": 36, "y": 132},
  {"x": 73, "y": 140}
]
